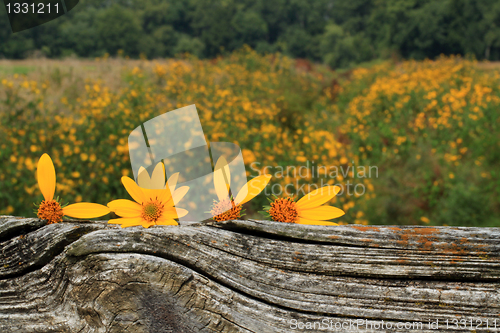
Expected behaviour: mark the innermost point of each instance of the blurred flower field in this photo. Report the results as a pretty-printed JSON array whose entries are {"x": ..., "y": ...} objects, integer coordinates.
[{"x": 430, "y": 130}]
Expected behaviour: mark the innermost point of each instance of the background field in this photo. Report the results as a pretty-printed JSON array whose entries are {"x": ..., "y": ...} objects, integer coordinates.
[{"x": 429, "y": 127}]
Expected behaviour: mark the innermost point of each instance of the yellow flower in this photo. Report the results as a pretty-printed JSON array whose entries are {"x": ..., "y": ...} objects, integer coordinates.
[
  {"x": 152, "y": 206},
  {"x": 50, "y": 209},
  {"x": 248, "y": 156},
  {"x": 228, "y": 208},
  {"x": 308, "y": 209}
]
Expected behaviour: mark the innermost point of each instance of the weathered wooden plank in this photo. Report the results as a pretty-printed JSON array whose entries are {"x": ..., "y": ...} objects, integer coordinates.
[
  {"x": 11, "y": 226},
  {"x": 38, "y": 247},
  {"x": 445, "y": 240},
  {"x": 245, "y": 276}
]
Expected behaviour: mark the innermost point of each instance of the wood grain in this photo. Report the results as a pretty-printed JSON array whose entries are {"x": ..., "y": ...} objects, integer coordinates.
[{"x": 246, "y": 276}]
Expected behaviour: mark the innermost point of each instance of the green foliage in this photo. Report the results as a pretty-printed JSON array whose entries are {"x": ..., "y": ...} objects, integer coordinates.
[
  {"x": 466, "y": 205},
  {"x": 340, "y": 34},
  {"x": 343, "y": 50},
  {"x": 191, "y": 45},
  {"x": 118, "y": 28}
]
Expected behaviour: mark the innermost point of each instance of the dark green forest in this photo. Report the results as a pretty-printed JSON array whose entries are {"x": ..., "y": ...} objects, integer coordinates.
[{"x": 338, "y": 33}]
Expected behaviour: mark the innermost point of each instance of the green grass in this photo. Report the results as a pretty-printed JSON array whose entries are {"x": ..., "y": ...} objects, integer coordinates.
[{"x": 16, "y": 69}]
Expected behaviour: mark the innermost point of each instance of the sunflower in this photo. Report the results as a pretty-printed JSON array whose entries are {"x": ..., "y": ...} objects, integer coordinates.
[
  {"x": 308, "y": 210},
  {"x": 52, "y": 210},
  {"x": 227, "y": 208},
  {"x": 152, "y": 206}
]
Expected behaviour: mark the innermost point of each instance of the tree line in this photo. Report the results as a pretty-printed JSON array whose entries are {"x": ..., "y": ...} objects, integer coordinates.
[{"x": 336, "y": 32}]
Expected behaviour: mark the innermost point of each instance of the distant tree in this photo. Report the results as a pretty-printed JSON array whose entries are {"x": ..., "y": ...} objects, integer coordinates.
[
  {"x": 296, "y": 42},
  {"x": 188, "y": 44},
  {"x": 17, "y": 47},
  {"x": 340, "y": 49},
  {"x": 13, "y": 46},
  {"x": 118, "y": 28},
  {"x": 339, "y": 33},
  {"x": 211, "y": 20},
  {"x": 475, "y": 26},
  {"x": 250, "y": 28},
  {"x": 79, "y": 34}
]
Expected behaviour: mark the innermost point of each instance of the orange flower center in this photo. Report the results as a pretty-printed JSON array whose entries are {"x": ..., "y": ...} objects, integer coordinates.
[
  {"x": 152, "y": 210},
  {"x": 50, "y": 211},
  {"x": 225, "y": 210},
  {"x": 284, "y": 210}
]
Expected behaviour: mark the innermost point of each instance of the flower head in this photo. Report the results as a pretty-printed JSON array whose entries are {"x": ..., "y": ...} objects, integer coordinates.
[
  {"x": 154, "y": 203},
  {"x": 284, "y": 210},
  {"x": 308, "y": 210},
  {"x": 52, "y": 210},
  {"x": 227, "y": 208}
]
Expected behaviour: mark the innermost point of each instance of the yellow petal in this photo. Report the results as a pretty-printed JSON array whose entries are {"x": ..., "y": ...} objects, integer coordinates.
[
  {"x": 162, "y": 195},
  {"x": 85, "y": 210},
  {"x": 125, "y": 208},
  {"x": 167, "y": 222},
  {"x": 251, "y": 189},
  {"x": 169, "y": 213},
  {"x": 321, "y": 213},
  {"x": 158, "y": 177},
  {"x": 318, "y": 197},
  {"x": 127, "y": 222},
  {"x": 302, "y": 220},
  {"x": 181, "y": 212},
  {"x": 180, "y": 193},
  {"x": 172, "y": 181},
  {"x": 222, "y": 179},
  {"x": 133, "y": 190},
  {"x": 143, "y": 179},
  {"x": 46, "y": 175},
  {"x": 122, "y": 203}
]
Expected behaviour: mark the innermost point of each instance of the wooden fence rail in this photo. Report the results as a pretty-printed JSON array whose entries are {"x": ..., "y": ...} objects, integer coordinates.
[{"x": 247, "y": 276}]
